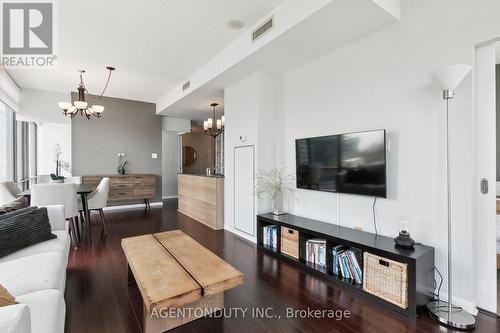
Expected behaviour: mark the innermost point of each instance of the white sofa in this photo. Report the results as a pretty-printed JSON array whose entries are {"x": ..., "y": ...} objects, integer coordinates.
[{"x": 36, "y": 277}]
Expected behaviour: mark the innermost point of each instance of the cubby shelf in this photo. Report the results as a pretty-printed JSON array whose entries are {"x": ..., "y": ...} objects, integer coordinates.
[{"x": 420, "y": 260}]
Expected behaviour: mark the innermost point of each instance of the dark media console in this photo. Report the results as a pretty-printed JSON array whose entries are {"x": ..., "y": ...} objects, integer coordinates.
[{"x": 419, "y": 261}]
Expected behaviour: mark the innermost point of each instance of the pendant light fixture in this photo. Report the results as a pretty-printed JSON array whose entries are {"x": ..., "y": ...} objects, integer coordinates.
[
  {"x": 81, "y": 106},
  {"x": 212, "y": 126}
]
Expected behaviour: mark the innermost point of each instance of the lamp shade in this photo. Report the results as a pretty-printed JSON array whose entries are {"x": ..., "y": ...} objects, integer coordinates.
[
  {"x": 449, "y": 77},
  {"x": 64, "y": 105},
  {"x": 81, "y": 105},
  {"x": 98, "y": 108}
]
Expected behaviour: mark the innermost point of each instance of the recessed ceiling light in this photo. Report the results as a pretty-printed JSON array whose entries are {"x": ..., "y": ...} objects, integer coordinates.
[{"x": 235, "y": 24}]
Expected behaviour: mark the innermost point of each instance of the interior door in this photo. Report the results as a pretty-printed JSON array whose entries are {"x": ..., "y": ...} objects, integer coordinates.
[
  {"x": 244, "y": 201},
  {"x": 485, "y": 172}
]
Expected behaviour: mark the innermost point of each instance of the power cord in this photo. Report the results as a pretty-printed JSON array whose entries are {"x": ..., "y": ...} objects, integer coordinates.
[
  {"x": 375, "y": 216},
  {"x": 436, "y": 296},
  {"x": 454, "y": 309}
]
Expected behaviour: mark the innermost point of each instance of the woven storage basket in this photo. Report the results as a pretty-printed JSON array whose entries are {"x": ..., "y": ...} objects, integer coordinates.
[{"x": 385, "y": 278}]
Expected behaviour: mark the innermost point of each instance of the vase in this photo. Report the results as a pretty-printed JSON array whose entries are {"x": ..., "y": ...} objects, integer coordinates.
[{"x": 278, "y": 204}]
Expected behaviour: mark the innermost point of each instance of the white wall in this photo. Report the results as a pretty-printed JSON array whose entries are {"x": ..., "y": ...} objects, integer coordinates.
[
  {"x": 53, "y": 127},
  {"x": 179, "y": 125},
  {"x": 250, "y": 109},
  {"x": 381, "y": 82}
]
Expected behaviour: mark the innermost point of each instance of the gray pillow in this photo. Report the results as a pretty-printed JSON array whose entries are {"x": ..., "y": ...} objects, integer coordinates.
[
  {"x": 14, "y": 205},
  {"x": 23, "y": 228},
  {"x": 18, "y": 212}
]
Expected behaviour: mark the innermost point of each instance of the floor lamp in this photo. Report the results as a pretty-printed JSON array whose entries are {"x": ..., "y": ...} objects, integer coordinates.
[{"x": 448, "y": 78}]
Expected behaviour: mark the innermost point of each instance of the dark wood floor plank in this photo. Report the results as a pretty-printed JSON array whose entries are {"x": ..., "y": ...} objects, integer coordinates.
[{"x": 99, "y": 298}]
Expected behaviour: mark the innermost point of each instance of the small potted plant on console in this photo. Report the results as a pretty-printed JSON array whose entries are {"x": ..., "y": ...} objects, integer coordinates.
[{"x": 275, "y": 184}]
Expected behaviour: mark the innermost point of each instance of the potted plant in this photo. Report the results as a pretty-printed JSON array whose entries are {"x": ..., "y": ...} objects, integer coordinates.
[
  {"x": 60, "y": 164},
  {"x": 275, "y": 184},
  {"x": 121, "y": 164},
  {"x": 56, "y": 179}
]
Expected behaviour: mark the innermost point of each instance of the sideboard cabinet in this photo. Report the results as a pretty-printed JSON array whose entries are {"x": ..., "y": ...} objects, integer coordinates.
[{"x": 127, "y": 187}]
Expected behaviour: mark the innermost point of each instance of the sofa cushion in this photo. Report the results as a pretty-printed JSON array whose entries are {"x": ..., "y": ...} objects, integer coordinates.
[
  {"x": 18, "y": 212},
  {"x": 5, "y": 297},
  {"x": 60, "y": 244},
  {"x": 23, "y": 229},
  {"x": 15, "y": 319},
  {"x": 47, "y": 310},
  {"x": 13, "y": 205},
  {"x": 34, "y": 273}
]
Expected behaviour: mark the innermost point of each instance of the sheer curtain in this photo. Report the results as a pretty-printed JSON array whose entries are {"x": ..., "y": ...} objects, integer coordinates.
[
  {"x": 7, "y": 121},
  {"x": 17, "y": 148},
  {"x": 25, "y": 152}
]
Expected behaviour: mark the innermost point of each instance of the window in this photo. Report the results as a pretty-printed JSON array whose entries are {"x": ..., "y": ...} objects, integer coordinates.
[
  {"x": 25, "y": 151},
  {"x": 17, "y": 148},
  {"x": 7, "y": 120},
  {"x": 32, "y": 147},
  {"x": 219, "y": 153}
]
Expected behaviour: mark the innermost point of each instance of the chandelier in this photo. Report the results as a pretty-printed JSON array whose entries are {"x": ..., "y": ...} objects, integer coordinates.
[
  {"x": 81, "y": 106},
  {"x": 212, "y": 126}
]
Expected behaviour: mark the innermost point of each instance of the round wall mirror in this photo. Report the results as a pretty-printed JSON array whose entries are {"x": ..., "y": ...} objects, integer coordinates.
[{"x": 188, "y": 155}]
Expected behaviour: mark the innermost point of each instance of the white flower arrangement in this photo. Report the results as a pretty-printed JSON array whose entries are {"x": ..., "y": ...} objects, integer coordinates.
[{"x": 275, "y": 184}]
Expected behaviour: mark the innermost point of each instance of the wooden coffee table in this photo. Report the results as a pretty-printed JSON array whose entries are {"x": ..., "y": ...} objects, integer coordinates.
[{"x": 173, "y": 271}]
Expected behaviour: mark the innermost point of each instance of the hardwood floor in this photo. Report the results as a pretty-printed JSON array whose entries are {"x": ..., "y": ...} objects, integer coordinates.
[{"x": 98, "y": 298}]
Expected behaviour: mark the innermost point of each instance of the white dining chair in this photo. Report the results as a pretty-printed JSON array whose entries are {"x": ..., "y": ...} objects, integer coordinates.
[
  {"x": 9, "y": 191},
  {"x": 97, "y": 200},
  {"x": 42, "y": 179},
  {"x": 73, "y": 180},
  {"x": 59, "y": 194}
]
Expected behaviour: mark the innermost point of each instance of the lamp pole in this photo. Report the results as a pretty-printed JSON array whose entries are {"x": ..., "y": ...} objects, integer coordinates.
[{"x": 448, "y": 78}]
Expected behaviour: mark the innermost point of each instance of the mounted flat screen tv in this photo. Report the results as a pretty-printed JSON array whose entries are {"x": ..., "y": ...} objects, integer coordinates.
[{"x": 353, "y": 163}]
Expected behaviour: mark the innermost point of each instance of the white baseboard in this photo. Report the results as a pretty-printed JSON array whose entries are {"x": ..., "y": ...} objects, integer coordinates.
[
  {"x": 133, "y": 206},
  {"x": 252, "y": 239},
  {"x": 466, "y": 305},
  {"x": 170, "y": 197}
]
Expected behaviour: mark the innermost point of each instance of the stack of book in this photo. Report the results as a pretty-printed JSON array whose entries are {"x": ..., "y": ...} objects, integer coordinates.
[
  {"x": 347, "y": 263},
  {"x": 316, "y": 251},
  {"x": 270, "y": 236}
]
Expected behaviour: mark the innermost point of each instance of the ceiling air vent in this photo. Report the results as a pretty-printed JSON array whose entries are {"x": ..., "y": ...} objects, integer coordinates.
[
  {"x": 265, "y": 27},
  {"x": 186, "y": 85}
]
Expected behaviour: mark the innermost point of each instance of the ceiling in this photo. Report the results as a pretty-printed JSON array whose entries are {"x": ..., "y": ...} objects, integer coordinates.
[
  {"x": 320, "y": 28},
  {"x": 154, "y": 44}
]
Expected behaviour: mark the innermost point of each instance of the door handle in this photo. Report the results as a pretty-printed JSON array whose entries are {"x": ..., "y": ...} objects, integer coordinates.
[{"x": 484, "y": 186}]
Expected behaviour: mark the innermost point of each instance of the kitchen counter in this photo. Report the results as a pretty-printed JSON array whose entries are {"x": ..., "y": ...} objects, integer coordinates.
[
  {"x": 119, "y": 175},
  {"x": 201, "y": 197},
  {"x": 201, "y": 175}
]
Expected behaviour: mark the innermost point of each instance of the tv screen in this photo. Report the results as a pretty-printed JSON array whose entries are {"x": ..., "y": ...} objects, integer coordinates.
[{"x": 352, "y": 163}]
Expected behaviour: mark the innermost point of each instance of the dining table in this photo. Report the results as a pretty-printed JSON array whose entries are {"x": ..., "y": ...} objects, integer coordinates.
[{"x": 83, "y": 190}]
